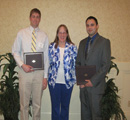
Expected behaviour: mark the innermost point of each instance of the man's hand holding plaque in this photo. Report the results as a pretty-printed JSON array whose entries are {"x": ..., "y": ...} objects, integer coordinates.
[
  {"x": 84, "y": 74},
  {"x": 33, "y": 61}
]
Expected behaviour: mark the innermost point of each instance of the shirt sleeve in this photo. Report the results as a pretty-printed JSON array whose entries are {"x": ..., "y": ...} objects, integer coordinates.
[
  {"x": 16, "y": 50},
  {"x": 46, "y": 63}
]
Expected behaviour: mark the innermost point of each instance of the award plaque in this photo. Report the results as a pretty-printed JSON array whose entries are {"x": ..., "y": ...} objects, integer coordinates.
[
  {"x": 84, "y": 73},
  {"x": 34, "y": 59}
]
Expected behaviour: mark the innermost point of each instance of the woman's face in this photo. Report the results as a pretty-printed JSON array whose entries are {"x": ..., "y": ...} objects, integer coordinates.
[{"x": 62, "y": 34}]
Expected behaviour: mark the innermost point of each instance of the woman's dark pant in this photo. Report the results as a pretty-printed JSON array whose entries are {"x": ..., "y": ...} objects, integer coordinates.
[{"x": 60, "y": 100}]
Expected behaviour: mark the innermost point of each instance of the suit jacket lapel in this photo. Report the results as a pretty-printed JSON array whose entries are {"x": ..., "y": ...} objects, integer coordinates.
[
  {"x": 93, "y": 46},
  {"x": 84, "y": 47}
]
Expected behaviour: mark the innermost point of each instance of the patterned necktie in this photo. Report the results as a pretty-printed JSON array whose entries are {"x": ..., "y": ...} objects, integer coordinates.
[
  {"x": 88, "y": 48},
  {"x": 33, "y": 48}
]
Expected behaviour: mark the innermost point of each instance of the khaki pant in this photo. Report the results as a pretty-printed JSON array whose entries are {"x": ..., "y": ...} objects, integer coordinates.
[{"x": 30, "y": 84}]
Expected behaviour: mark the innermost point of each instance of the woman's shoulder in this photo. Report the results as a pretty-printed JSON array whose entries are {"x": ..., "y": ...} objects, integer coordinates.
[
  {"x": 51, "y": 44},
  {"x": 72, "y": 45}
]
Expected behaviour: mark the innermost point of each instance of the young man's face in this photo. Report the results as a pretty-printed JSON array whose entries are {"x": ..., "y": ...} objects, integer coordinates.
[
  {"x": 91, "y": 27},
  {"x": 35, "y": 20}
]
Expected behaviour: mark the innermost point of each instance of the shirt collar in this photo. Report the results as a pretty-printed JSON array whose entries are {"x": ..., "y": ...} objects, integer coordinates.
[
  {"x": 93, "y": 37},
  {"x": 36, "y": 29}
]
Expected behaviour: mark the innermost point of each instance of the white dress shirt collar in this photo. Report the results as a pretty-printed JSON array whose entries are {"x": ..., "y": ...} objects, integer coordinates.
[{"x": 36, "y": 29}]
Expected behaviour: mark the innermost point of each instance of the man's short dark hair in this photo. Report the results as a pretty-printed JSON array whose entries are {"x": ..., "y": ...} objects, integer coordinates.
[
  {"x": 35, "y": 10},
  {"x": 91, "y": 17}
]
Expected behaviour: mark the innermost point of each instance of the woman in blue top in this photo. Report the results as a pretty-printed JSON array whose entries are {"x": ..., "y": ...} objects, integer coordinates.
[{"x": 61, "y": 76}]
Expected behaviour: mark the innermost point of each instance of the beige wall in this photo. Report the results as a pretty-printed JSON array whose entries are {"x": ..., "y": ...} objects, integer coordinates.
[{"x": 113, "y": 17}]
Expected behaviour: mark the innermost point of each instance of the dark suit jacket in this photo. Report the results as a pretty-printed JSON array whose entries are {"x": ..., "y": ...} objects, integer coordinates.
[{"x": 99, "y": 55}]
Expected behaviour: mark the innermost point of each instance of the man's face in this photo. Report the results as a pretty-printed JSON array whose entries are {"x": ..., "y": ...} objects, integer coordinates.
[
  {"x": 91, "y": 27},
  {"x": 35, "y": 20}
]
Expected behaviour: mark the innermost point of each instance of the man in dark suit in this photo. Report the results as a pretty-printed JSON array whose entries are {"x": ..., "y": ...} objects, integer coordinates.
[{"x": 93, "y": 50}]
